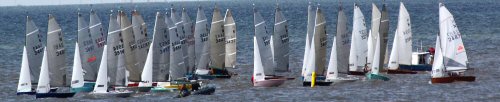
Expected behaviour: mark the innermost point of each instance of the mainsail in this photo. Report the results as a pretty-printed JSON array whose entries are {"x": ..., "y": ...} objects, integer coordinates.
[
  {"x": 34, "y": 46},
  {"x": 141, "y": 40},
  {"x": 230, "y": 36},
  {"x": 263, "y": 39},
  {"x": 280, "y": 42},
  {"x": 402, "y": 50},
  {"x": 99, "y": 37},
  {"x": 383, "y": 32},
  {"x": 56, "y": 57},
  {"x": 189, "y": 40},
  {"x": 177, "y": 65},
  {"x": 181, "y": 34},
  {"x": 342, "y": 42},
  {"x": 130, "y": 47},
  {"x": 115, "y": 56},
  {"x": 161, "y": 49},
  {"x": 217, "y": 40},
  {"x": 88, "y": 50},
  {"x": 373, "y": 35},
  {"x": 310, "y": 30},
  {"x": 320, "y": 42},
  {"x": 455, "y": 57},
  {"x": 201, "y": 42},
  {"x": 357, "y": 55}
]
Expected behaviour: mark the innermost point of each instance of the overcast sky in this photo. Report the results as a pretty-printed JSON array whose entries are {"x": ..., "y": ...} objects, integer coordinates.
[{"x": 64, "y": 2}]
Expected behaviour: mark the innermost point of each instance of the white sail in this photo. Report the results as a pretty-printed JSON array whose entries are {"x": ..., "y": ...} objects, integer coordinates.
[
  {"x": 230, "y": 36},
  {"x": 376, "y": 59},
  {"x": 99, "y": 37},
  {"x": 258, "y": 68},
  {"x": 116, "y": 57},
  {"x": 393, "y": 59},
  {"x": 77, "y": 75},
  {"x": 333, "y": 72},
  {"x": 142, "y": 42},
  {"x": 129, "y": 46},
  {"x": 201, "y": 42},
  {"x": 180, "y": 31},
  {"x": 177, "y": 65},
  {"x": 455, "y": 57},
  {"x": 310, "y": 29},
  {"x": 56, "y": 54},
  {"x": 437, "y": 66},
  {"x": 34, "y": 46},
  {"x": 161, "y": 49},
  {"x": 87, "y": 53},
  {"x": 403, "y": 48},
  {"x": 101, "y": 84},
  {"x": 217, "y": 40},
  {"x": 281, "y": 42},
  {"x": 189, "y": 40},
  {"x": 311, "y": 63},
  {"x": 373, "y": 35},
  {"x": 320, "y": 41},
  {"x": 342, "y": 44},
  {"x": 147, "y": 72},
  {"x": 263, "y": 41},
  {"x": 357, "y": 56},
  {"x": 24, "y": 84},
  {"x": 44, "y": 79}
]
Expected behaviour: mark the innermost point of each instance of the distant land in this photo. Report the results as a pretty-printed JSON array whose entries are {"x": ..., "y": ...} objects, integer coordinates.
[{"x": 78, "y": 2}]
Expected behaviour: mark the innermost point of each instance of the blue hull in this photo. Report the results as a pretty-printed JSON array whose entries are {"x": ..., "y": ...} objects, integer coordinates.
[
  {"x": 55, "y": 95},
  {"x": 26, "y": 93},
  {"x": 418, "y": 67},
  {"x": 87, "y": 87}
]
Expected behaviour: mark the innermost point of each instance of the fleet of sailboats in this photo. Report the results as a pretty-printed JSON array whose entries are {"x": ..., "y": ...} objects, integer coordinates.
[{"x": 182, "y": 54}]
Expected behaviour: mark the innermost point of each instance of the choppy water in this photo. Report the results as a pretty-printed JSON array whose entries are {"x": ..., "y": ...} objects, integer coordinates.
[{"x": 478, "y": 21}]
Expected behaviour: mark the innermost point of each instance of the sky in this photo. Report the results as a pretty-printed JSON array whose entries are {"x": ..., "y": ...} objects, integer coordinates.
[{"x": 66, "y": 2}]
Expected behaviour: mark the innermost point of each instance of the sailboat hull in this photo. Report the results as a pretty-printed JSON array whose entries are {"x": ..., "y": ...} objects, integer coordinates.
[
  {"x": 26, "y": 93},
  {"x": 452, "y": 79},
  {"x": 376, "y": 77},
  {"x": 82, "y": 89},
  {"x": 124, "y": 94},
  {"x": 220, "y": 73},
  {"x": 144, "y": 89},
  {"x": 269, "y": 83},
  {"x": 342, "y": 79},
  {"x": 418, "y": 67},
  {"x": 361, "y": 73},
  {"x": 318, "y": 83},
  {"x": 399, "y": 71},
  {"x": 54, "y": 95}
]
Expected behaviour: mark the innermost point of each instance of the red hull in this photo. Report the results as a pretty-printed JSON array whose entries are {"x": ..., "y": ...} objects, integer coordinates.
[{"x": 400, "y": 72}]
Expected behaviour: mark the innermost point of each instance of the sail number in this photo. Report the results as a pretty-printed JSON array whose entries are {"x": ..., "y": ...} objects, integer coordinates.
[
  {"x": 363, "y": 34},
  {"x": 37, "y": 49},
  {"x": 220, "y": 38},
  {"x": 204, "y": 37},
  {"x": 59, "y": 49},
  {"x": 143, "y": 43},
  {"x": 164, "y": 46},
  {"x": 118, "y": 49},
  {"x": 284, "y": 38},
  {"x": 266, "y": 41}
]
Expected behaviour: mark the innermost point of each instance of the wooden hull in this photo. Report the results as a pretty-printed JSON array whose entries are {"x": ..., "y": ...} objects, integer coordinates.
[
  {"x": 453, "y": 79},
  {"x": 54, "y": 95},
  {"x": 269, "y": 83},
  {"x": 400, "y": 72}
]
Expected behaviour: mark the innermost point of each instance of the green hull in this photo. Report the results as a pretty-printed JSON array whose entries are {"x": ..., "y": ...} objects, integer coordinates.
[
  {"x": 376, "y": 77},
  {"x": 87, "y": 87},
  {"x": 161, "y": 89}
]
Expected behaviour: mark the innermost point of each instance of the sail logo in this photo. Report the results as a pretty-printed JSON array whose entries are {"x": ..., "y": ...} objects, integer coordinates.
[
  {"x": 91, "y": 59},
  {"x": 460, "y": 48}
]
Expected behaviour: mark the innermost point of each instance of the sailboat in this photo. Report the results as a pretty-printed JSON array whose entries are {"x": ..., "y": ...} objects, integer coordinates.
[
  {"x": 114, "y": 62},
  {"x": 52, "y": 71},
  {"x": 141, "y": 46},
  {"x": 450, "y": 61},
  {"x": 133, "y": 74},
  {"x": 217, "y": 46},
  {"x": 358, "y": 50},
  {"x": 317, "y": 54},
  {"x": 202, "y": 45},
  {"x": 34, "y": 52},
  {"x": 157, "y": 64},
  {"x": 378, "y": 58},
  {"x": 189, "y": 40},
  {"x": 263, "y": 71},
  {"x": 340, "y": 52},
  {"x": 280, "y": 42},
  {"x": 310, "y": 30},
  {"x": 401, "y": 53},
  {"x": 230, "y": 36},
  {"x": 182, "y": 36},
  {"x": 78, "y": 75},
  {"x": 373, "y": 35},
  {"x": 99, "y": 39}
]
